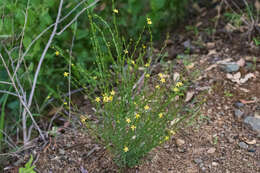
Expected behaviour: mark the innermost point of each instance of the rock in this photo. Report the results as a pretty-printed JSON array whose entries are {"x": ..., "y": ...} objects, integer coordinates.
[
  {"x": 253, "y": 122},
  {"x": 210, "y": 45},
  {"x": 214, "y": 164},
  {"x": 238, "y": 113},
  {"x": 198, "y": 161},
  {"x": 180, "y": 142},
  {"x": 252, "y": 150},
  {"x": 230, "y": 67},
  {"x": 239, "y": 105},
  {"x": 243, "y": 145},
  {"x": 187, "y": 44},
  {"x": 61, "y": 151},
  {"x": 211, "y": 150}
]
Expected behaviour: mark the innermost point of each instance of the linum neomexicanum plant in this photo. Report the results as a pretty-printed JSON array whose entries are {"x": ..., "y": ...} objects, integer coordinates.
[{"x": 135, "y": 109}]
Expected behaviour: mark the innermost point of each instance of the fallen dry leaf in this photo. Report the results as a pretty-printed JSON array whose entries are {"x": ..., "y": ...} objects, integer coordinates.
[
  {"x": 247, "y": 101},
  {"x": 244, "y": 89},
  {"x": 189, "y": 96},
  {"x": 211, "y": 67},
  {"x": 224, "y": 61},
  {"x": 252, "y": 142},
  {"x": 212, "y": 52}
]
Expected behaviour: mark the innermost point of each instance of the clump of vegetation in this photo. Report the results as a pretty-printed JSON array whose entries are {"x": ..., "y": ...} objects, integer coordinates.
[{"x": 136, "y": 110}]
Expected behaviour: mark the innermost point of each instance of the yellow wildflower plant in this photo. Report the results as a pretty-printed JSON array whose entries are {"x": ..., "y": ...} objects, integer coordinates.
[
  {"x": 157, "y": 86},
  {"x": 147, "y": 65},
  {"x": 160, "y": 115},
  {"x": 105, "y": 99},
  {"x": 147, "y": 75},
  {"x": 146, "y": 107},
  {"x": 126, "y": 51},
  {"x": 166, "y": 138},
  {"x": 133, "y": 127},
  {"x": 137, "y": 116},
  {"x": 83, "y": 118},
  {"x": 162, "y": 80},
  {"x": 57, "y": 53},
  {"x": 110, "y": 98},
  {"x": 65, "y": 74},
  {"x": 115, "y": 11},
  {"x": 97, "y": 99},
  {"x": 175, "y": 89},
  {"x": 128, "y": 120},
  {"x": 126, "y": 149},
  {"x": 179, "y": 84},
  {"x": 149, "y": 21},
  {"x": 112, "y": 92}
]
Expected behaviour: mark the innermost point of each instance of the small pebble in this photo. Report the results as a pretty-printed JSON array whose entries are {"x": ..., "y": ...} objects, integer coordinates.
[
  {"x": 252, "y": 150},
  {"x": 243, "y": 145},
  {"x": 180, "y": 142},
  {"x": 239, "y": 105},
  {"x": 211, "y": 150},
  {"x": 238, "y": 113},
  {"x": 214, "y": 164},
  {"x": 198, "y": 161}
]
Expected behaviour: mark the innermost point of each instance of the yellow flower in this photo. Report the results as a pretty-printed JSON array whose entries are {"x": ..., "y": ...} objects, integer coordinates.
[
  {"x": 166, "y": 138},
  {"x": 144, "y": 46},
  {"x": 149, "y": 21},
  {"x": 105, "y": 99},
  {"x": 115, "y": 11},
  {"x": 110, "y": 98},
  {"x": 157, "y": 86},
  {"x": 160, "y": 75},
  {"x": 65, "y": 103},
  {"x": 112, "y": 92},
  {"x": 48, "y": 97},
  {"x": 146, "y": 107},
  {"x": 83, "y": 118},
  {"x": 160, "y": 115},
  {"x": 133, "y": 62},
  {"x": 57, "y": 53},
  {"x": 66, "y": 74},
  {"x": 135, "y": 103},
  {"x": 137, "y": 116},
  {"x": 147, "y": 65},
  {"x": 175, "y": 89},
  {"x": 147, "y": 75},
  {"x": 172, "y": 132},
  {"x": 97, "y": 99},
  {"x": 126, "y": 149},
  {"x": 179, "y": 84},
  {"x": 162, "y": 80},
  {"x": 128, "y": 120},
  {"x": 133, "y": 127},
  {"x": 126, "y": 51}
]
